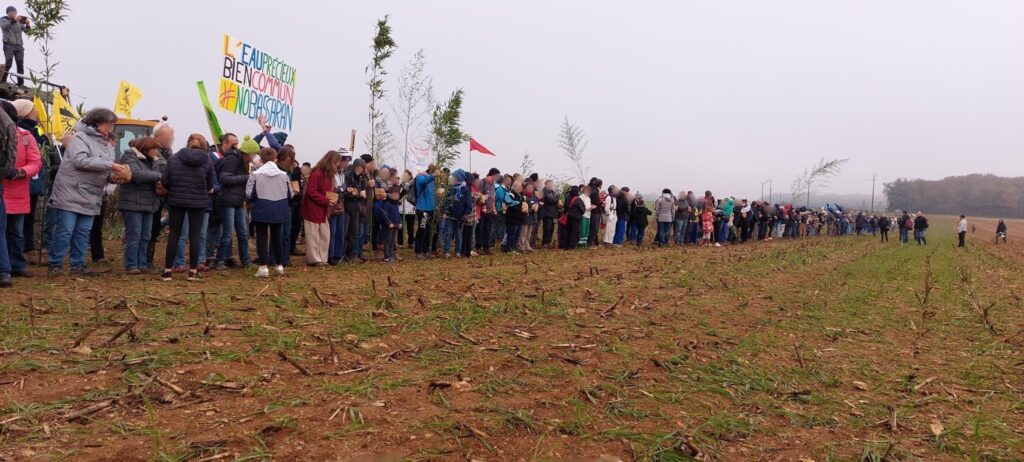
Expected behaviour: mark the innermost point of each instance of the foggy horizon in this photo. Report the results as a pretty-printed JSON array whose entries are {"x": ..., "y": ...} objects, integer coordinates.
[{"x": 683, "y": 95}]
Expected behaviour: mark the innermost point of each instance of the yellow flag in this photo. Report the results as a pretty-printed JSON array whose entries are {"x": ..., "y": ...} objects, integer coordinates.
[
  {"x": 44, "y": 121},
  {"x": 63, "y": 116},
  {"x": 127, "y": 96}
]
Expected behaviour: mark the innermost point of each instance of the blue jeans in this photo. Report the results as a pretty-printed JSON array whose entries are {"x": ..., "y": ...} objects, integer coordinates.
[
  {"x": 362, "y": 229},
  {"x": 233, "y": 217},
  {"x": 631, "y": 233},
  {"x": 5, "y": 261},
  {"x": 16, "y": 242},
  {"x": 49, "y": 222},
  {"x": 70, "y": 230},
  {"x": 723, "y": 233},
  {"x": 179, "y": 257},
  {"x": 904, "y": 236},
  {"x": 638, "y": 234},
  {"x": 450, "y": 230},
  {"x": 919, "y": 236},
  {"x": 664, "y": 230},
  {"x": 680, "y": 231},
  {"x": 620, "y": 232},
  {"x": 336, "y": 250},
  {"x": 512, "y": 237},
  {"x": 138, "y": 227}
]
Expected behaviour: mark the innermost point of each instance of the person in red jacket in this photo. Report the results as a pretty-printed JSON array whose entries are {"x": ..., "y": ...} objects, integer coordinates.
[
  {"x": 16, "y": 197},
  {"x": 316, "y": 204}
]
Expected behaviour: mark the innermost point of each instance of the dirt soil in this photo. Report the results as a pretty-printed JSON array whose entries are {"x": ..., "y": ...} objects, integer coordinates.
[{"x": 817, "y": 349}]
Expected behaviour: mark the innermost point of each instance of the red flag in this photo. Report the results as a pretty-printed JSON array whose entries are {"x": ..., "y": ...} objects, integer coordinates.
[{"x": 475, "y": 146}]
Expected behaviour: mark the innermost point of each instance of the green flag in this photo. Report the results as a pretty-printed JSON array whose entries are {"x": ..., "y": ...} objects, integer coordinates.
[{"x": 211, "y": 117}]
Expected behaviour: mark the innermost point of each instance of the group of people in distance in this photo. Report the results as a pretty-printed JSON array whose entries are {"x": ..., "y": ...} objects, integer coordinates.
[{"x": 345, "y": 208}]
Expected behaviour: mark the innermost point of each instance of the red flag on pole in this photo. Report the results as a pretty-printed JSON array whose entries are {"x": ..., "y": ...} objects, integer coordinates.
[{"x": 475, "y": 146}]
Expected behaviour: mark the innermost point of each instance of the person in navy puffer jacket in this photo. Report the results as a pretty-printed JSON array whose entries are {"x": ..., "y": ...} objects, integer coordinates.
[
  {"x": 189, "y": 183},
  {"x": 268, "y": 191}
]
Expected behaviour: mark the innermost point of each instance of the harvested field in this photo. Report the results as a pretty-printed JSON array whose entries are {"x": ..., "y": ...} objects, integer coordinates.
[{"x": 821, "y": 349}]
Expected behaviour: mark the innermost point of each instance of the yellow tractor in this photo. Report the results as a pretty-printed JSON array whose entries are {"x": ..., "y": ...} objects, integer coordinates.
[{"x": 128, "y": 130}]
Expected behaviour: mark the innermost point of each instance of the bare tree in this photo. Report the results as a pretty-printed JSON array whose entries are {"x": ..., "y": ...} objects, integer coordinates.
[
  {"x": 414, "y": 102},
  {"x": 573, "y": 142},
  {"x": 818, "y": 174},
  {"x": 526, "y": 166},
  {"x": 383, "y": 143}
]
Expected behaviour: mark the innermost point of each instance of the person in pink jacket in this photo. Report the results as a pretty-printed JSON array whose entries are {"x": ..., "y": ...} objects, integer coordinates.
[{"x": 16, "y": 198}]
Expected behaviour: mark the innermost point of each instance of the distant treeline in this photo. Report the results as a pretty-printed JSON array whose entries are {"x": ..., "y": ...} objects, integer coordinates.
[{"x": 972, "y": 195}]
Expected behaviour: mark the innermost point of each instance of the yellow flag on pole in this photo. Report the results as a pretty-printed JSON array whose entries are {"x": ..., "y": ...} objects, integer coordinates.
[
  {"x": 63, "y": 116},
  {"x": 44, "y": 120},
  {"x": 127, "y": 96}
]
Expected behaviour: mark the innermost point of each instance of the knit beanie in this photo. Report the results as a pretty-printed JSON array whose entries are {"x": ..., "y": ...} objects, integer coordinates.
[
  {"x": 23, "y": 106},
  {"x": 249, "y": 147}
]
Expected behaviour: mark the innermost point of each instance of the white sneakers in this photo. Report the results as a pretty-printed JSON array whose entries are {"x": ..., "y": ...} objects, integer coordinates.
[{"x": 264, "y": 272}]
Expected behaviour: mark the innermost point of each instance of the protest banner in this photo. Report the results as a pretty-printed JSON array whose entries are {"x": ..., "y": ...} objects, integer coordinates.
[{"x": 254, "y": 82}]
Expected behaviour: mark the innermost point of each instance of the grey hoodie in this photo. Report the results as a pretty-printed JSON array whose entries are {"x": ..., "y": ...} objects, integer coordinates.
[
  {"x": 83, "y": 173},
  {"x": 663, "y": 208}
]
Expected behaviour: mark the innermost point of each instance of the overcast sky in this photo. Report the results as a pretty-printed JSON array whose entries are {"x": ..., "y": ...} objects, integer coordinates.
[{"x": 701, "y": 95}]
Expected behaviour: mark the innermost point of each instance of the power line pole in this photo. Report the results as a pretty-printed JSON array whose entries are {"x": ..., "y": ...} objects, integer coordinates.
[{"x": 873, "y": 177}]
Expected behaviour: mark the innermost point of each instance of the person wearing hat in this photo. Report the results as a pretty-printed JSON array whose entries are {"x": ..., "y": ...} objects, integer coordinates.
[
  {"x": 381, "y": 183},
  {"x": 28, "y": 120},
  {"x": 358, "y": 190},
  {"x": 338, "y": 218},
  {"x": 12, "y": 26},
  {"x": 15, "y": 196},
  {"x": 233, "y": 174}
]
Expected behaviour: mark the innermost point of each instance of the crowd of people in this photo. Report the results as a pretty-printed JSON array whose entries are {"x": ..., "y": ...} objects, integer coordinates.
[{"x": 343, "y": 208}]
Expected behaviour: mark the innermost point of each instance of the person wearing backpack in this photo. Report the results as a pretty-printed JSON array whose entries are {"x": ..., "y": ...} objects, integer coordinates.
[
  {"x": 906, "y": 225},
  {"x": 423, "y": 191},
  {"x": 459, "y": 204},
  {"x": 920, "y": 225},
  {"x": 15, "y": 194},
  {"x": 883, "y": 227}
]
